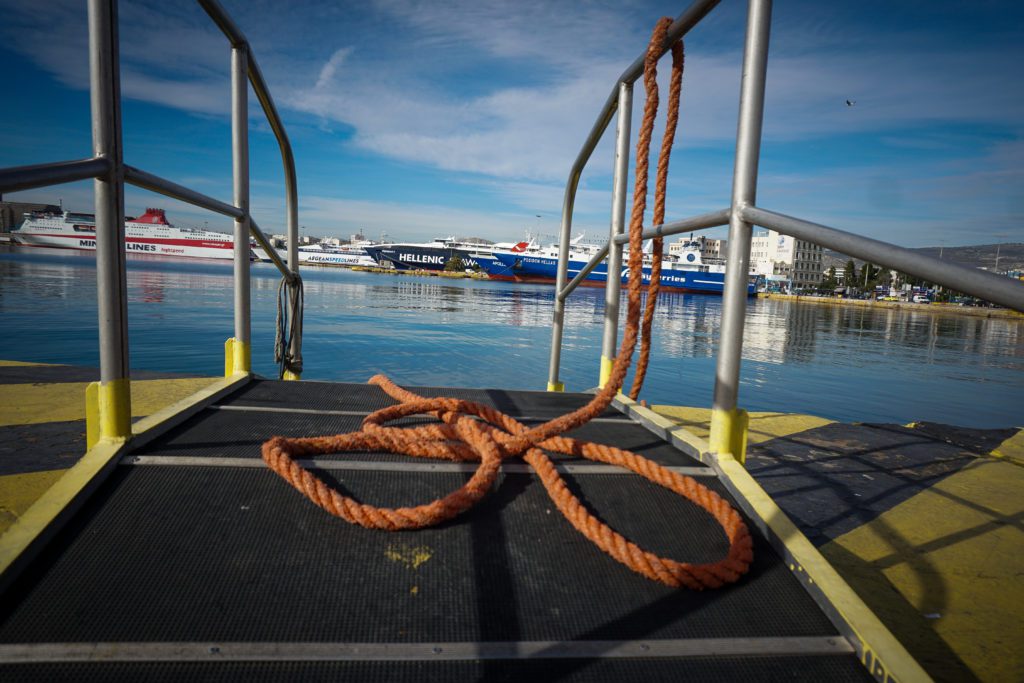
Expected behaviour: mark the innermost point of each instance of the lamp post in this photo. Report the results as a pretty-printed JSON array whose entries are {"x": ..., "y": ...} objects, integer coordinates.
[{"x": 999, "y": 236}]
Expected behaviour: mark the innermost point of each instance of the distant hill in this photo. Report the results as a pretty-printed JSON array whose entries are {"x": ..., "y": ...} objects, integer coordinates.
[{"x": 1011, "y": 256}]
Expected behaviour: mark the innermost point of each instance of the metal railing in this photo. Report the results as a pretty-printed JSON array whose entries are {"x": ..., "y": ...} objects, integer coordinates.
[
  {"x": 728, "y": 423},
  {"x": 112, "y": 395}
]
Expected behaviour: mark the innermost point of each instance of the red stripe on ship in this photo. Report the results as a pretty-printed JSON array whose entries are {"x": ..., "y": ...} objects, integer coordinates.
[{"x": 144, "y": 240}]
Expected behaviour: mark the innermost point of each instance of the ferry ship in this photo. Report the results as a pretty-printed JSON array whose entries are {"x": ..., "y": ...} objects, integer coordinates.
[
  {"x": 685, "y": 272},
  {"x": 345, "y": 255},
  {"x": 435, "y": 255},
  {"x": 149, "y": 233},
  {"x": 321, "y": 254}
]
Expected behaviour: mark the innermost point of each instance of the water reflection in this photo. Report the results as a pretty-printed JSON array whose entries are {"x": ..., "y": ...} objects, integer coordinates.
[{"x": 841, "y": 362}]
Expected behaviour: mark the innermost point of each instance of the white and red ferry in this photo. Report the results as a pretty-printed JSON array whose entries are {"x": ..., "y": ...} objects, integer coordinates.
[{"x": 150, "y": 233}]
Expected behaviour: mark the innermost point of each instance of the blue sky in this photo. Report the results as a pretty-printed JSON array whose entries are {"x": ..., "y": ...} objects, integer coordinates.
[{"x": 423, "y": 119}]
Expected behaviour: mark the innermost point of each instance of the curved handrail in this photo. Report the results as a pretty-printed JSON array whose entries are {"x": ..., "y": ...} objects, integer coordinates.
[
  {"x": 689, "y": 18},
  {"x": 680, "y": 27},
  {"x": 259, "y": 86}
]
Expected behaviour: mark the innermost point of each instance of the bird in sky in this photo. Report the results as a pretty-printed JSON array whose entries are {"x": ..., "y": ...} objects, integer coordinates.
[{"x": 850, "y": 103}]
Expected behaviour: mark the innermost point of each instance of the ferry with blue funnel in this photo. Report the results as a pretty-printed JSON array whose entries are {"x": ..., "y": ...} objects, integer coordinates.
[{"x": 685, "y": 272}]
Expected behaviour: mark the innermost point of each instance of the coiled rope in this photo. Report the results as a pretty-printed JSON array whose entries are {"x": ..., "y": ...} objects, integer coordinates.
[
  {"x": 474, "y": 432},
  {"x": 288, "y": 325}
]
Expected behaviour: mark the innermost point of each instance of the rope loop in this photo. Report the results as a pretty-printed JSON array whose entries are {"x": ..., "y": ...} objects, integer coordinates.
[
  {"x": 288, "y": 325},
  {"x": 472, "y": 432}
]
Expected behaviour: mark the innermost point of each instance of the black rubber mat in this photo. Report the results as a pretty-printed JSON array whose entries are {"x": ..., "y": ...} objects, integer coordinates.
[
  {"x": 235, "y": 554},
  {"x": 365, "y": 397},
  {"x": 240, "y": 433},
  {"x": 835, "y": 669},
  {"x": 834, "y": 478}
]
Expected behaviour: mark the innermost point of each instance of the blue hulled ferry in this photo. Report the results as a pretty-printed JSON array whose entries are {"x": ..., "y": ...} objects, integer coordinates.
[{"x": 683, "y": 272}]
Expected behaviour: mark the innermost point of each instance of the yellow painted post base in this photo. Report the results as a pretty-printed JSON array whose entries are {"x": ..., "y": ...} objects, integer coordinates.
[
  {"x": 290, "y": 376},
  {"x": 237, "y": 357},
  {"x": 729, "y": 432},
  {"x": 108, "y": 411},
  {"x": 606, "y": 370},
  {"x": 556, "y": 386}
]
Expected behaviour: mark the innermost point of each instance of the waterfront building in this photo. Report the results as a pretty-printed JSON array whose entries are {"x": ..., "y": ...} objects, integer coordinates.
[{"x": 776, "y": 255}]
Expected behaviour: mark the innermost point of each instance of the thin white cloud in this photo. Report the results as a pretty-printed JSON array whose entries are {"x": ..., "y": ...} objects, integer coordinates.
[{"x": 331, "y": 67}]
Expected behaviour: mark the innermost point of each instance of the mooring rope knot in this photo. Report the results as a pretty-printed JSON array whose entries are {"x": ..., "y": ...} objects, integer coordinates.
[{"x": 473, "y": 432}]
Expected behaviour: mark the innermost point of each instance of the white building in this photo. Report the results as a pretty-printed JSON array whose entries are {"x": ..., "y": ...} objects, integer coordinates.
[{"x": 774, "y": 254}]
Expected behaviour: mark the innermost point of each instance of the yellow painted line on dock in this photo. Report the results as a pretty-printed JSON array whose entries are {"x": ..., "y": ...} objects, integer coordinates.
[
  {"x": 39, "y": 403},
  {"x": 17, "y": 364},
  {"x": 954, "y": 554},
  {"x": 763, "y": 427}
]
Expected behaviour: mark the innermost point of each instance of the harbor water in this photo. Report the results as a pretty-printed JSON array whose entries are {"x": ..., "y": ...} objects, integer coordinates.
[{"x": 838, "y": 362}]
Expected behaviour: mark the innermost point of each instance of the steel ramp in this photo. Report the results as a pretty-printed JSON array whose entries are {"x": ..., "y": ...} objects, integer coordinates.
[{"x": 192, "y": 559}]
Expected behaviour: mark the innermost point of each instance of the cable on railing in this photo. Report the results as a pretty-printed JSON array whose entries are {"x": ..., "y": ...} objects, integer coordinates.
[
  {"x": 660, "y": 183},
  {"x": 496, "y": 436},
  {"x": 290, "y": 300}
]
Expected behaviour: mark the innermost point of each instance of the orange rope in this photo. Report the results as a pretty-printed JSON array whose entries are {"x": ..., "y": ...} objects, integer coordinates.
[
  {"x": 473, "y": 432},
  {"x": 661, "y": 180}
]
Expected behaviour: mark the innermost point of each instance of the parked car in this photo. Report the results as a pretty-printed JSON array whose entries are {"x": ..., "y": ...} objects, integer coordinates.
[{"x": 921, "y": 299}]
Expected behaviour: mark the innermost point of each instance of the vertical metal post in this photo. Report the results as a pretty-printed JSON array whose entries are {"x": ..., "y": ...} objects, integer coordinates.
[
  {"x": 558, "y": 318},
  {"x": 109, "y": 401},
  {"x": 613, "y": 285},
  {"x": 292, "y": 209},
  {"x": 561, "y": 278},
  {"x": 728, "y": 424},
  {"x": 239, "y": 351}
]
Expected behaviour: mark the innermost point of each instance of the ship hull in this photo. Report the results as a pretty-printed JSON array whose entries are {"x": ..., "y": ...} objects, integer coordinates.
[
  {"x": 331, "y": 259},
  {"x": 415, "y": 257},
  {"x": 539, "y": 269},
  {"x": 188, "y": 248}
]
